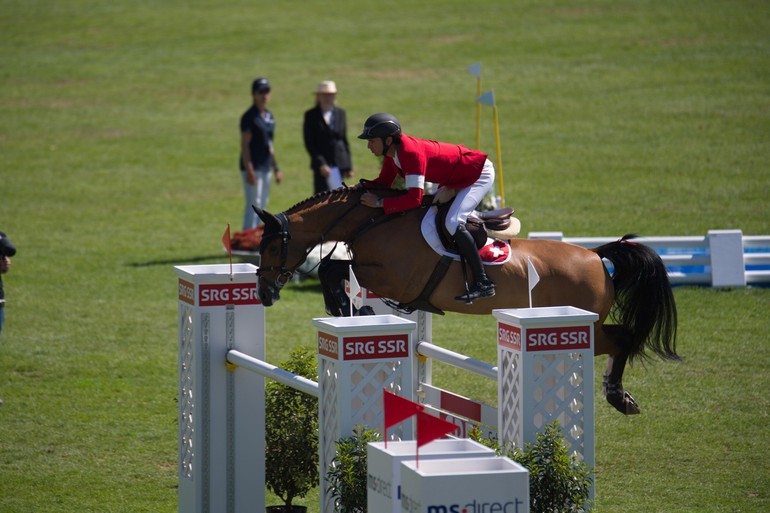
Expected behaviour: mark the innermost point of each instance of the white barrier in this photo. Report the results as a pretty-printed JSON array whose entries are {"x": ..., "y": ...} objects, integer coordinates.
[
  {"x": 221, "y": 410},
  {"x": 723, "y": 258},
  {"x": 357, "y": 358}
]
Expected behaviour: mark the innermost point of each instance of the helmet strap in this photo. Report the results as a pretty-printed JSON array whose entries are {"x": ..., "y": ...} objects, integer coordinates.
[{"x": 386, "y": 146}]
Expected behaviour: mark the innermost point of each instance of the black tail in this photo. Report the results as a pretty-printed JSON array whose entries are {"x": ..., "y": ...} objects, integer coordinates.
[{"x": 644, "y": 302}]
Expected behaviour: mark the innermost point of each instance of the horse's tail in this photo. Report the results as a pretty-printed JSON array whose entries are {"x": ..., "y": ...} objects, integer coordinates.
[{"x": 644, "y": 301}]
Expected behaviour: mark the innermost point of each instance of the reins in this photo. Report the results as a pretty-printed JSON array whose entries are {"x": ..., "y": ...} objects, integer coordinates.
[{"x": 284, "y": 274}]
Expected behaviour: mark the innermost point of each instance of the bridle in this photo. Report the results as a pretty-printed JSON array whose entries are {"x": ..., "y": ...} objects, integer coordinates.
[{"x": 284, "y": 275}]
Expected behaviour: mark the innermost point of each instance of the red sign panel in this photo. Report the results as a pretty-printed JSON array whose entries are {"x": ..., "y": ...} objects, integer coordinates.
[
  {"x": 509, "y": 336},
  {"x": 460, "y": 405},
  {"x": 220, "y": 294},
  {"x": 186, "y": 292},
  {"x": 375, "y": 347},
  {"x": 328, "y": 345},
  {"x": 561, "y": 338}
]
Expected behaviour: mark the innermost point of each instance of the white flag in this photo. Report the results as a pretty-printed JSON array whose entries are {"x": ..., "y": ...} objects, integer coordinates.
[
  {"x": 487, "y": 98},
  {"x": 356, "y": 298},
  {"x": 532, "y": 277}
]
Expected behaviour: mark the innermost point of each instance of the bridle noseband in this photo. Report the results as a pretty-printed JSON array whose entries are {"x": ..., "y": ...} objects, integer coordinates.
[{"x": 284, "y": 275}]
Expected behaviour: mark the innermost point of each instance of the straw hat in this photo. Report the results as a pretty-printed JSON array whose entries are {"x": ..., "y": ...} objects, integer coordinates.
[{"x": 326, "y": 87}]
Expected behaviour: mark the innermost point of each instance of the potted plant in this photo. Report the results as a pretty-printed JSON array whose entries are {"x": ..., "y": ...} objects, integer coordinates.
[
  {"x": 558, "y": 483},
  {"x": 347, "y": 472},
  {"x": 291, "y": 435}
]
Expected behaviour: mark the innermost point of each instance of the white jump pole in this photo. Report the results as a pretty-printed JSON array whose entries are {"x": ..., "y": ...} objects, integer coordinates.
[{"x": 221, "y": 441}]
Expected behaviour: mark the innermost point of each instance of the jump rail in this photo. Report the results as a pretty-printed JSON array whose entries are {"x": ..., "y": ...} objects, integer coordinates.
[
  {"x": 268, "y": 370},
  {"x": 456, "y": 359},
  {"x": 723, "y": 258}
]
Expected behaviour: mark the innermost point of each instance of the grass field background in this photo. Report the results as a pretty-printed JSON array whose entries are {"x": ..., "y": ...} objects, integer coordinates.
[{"x": 118, "y": 153}]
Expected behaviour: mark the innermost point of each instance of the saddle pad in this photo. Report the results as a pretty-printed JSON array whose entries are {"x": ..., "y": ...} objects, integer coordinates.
[{"x": 494, "y": 252}]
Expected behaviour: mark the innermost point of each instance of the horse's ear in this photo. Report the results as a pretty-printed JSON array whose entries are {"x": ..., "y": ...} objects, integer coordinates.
[{"x": 271, "y": 222}]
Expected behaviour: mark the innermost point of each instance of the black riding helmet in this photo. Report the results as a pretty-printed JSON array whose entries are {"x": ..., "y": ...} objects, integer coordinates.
[{"x": 381, "y": 125}]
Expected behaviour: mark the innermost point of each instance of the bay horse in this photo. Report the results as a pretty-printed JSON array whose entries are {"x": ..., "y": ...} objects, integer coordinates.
[{"x": 391, "y": 258}]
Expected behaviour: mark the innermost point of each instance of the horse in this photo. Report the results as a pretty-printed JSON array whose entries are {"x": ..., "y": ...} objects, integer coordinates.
[{"x": 389, "y": 256}]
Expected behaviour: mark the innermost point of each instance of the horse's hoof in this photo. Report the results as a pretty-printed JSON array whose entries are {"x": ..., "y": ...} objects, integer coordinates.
[
  {"x": 365, "y": 310},
  {"x": 619, "y": 398},
  {"x": 624, "y": 403},
  {"x": 632, "y": 407}
]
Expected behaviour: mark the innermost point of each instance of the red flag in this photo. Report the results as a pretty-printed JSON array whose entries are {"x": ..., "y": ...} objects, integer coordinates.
[
  {"x": 397, "y": 409},
  {"x": 430, "y": 428},
  {"x": 228, "y": 247}
]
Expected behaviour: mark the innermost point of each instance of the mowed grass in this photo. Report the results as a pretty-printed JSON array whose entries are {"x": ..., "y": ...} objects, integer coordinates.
[{"x": 118, "y": 151}]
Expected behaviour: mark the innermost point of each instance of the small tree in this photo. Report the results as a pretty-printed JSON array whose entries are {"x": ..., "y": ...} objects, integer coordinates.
[
  {"x": 558, "y": 483},
  {"x": 291, "y": 432},
  {"x": 348, "y": 471}
]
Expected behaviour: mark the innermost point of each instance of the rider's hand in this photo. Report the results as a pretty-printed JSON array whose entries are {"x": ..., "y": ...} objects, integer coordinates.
[{"x": 370, "y": 200}]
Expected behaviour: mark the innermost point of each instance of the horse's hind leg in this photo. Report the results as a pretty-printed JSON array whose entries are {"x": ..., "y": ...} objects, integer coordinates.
[{"x": 612, "y": 384}]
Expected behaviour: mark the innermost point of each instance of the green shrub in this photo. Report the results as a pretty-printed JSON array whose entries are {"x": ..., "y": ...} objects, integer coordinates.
[
  {"x": 347, "y": 472},
  {"x": 291, "y": 432}
]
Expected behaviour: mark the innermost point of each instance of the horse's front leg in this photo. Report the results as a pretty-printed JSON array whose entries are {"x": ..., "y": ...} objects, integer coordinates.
[{"x": 332, "y": 275}]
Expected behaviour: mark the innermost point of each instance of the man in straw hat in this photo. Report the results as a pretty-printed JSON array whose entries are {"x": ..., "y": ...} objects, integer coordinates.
[{"x": 326, "y": 140}]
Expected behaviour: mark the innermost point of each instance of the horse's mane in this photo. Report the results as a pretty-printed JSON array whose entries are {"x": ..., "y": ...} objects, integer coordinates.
[
  {"x": 344, "y": 191},
  {"x": 315, "y": 198}
]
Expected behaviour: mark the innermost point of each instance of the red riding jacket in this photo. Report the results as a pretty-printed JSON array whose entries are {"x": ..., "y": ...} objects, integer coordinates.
[{"x": 421, "y": 160}]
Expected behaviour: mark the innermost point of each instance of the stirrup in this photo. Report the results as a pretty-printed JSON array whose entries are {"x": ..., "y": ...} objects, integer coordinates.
[{"x": 480, "y": 290}]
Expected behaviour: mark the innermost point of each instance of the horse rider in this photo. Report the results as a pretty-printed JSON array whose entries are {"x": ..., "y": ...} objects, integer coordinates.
[{"x": 450, "y": 166}]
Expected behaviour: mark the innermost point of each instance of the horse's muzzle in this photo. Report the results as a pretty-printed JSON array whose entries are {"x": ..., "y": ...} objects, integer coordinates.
[{"x": 268, "y": 294}]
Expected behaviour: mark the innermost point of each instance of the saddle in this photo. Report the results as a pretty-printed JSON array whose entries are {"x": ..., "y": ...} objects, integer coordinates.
[{"x": 478, "y": 224}]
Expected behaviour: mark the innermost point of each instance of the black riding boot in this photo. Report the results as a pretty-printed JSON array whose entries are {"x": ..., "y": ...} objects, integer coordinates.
[{"x": 482, "y": 286}]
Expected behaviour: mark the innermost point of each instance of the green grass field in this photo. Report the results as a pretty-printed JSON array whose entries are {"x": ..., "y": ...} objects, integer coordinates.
[{"x": 118, "y": 148}]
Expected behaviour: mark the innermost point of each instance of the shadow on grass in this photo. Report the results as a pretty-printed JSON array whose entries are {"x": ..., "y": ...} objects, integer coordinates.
[
  {"x": 306, "y": 284},
  {"x": 181, "y": 261}
]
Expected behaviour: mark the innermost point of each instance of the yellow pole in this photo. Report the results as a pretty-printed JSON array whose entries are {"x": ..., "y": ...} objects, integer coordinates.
[
  {"x": 478, "y": 113},
  {"x": 499, "y": 159}
]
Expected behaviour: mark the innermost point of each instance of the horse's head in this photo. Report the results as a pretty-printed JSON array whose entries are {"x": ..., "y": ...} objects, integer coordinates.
[
  {"x": 274, "y": 271},
  {"x": 326, "y": 216}
]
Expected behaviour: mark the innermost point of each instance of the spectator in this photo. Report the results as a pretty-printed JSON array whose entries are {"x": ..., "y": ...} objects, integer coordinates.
[
  {"x": 326, "y": 141},
  {"x": 7, "y": 250},
  {"x": 257, "y": 160}
]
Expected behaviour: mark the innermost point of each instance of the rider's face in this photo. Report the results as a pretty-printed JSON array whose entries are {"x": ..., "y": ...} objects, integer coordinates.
[{"x": 376, "y": 146}]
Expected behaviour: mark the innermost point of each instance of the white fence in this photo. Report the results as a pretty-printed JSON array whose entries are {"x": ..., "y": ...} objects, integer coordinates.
[
  {"x": 723, "y": 258},
  {"x": 221, "y": 407}
]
